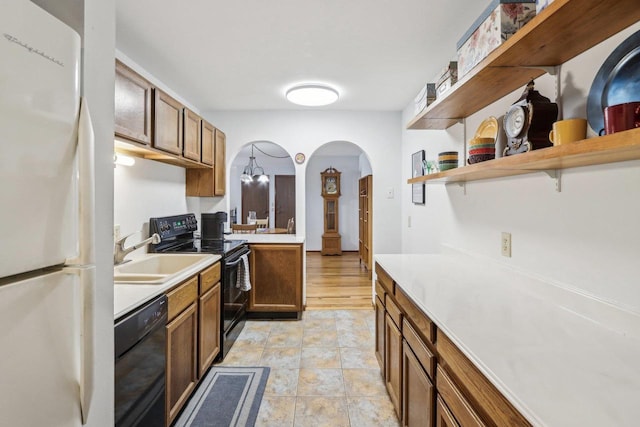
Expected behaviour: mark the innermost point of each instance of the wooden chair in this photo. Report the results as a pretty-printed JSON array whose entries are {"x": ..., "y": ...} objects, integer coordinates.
[
  {"x": 243, "y": 228},
  {"x": 262, "y": 223}
]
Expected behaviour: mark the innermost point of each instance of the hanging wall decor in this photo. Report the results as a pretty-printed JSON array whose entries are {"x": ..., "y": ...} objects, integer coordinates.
[{"x": 417, "y": 190}]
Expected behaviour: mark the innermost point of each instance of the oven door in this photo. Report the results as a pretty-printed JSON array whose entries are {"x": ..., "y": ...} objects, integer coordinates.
[{"x": 234, "y": 300}]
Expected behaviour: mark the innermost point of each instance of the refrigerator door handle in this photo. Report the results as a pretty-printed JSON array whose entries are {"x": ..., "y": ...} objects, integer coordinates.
[
  {"x": 87, "y": 342},
  {"x": 86, "y": 189}
]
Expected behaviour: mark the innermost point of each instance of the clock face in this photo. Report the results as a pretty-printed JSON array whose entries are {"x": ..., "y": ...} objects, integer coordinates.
[
  {"x": 331, "y": 186},
  {"x": 515, "y": 120}
]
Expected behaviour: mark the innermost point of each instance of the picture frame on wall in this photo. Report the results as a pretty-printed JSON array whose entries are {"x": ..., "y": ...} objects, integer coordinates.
[{"x": 417, "y": 169}]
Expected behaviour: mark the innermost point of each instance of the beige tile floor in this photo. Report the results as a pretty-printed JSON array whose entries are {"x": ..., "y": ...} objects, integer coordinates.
[{"x": 323, "y": 370}]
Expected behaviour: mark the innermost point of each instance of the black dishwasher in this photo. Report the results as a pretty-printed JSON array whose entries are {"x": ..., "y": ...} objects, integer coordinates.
[{"x": 140, "y": 347}]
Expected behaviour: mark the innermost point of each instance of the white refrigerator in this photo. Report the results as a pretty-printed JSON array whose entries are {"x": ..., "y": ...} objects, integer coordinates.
[{"x": 46, "y": 223}]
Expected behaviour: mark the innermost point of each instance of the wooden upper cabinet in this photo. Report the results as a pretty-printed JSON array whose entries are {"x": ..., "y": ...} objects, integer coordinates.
[
  {"x": 192, "y": 135},
  {"x": 220, "y": 169},
  {"x": 132, "y": 112},
  {"x": 168, "y": 123},
  {"x": 208, "y": 142}
]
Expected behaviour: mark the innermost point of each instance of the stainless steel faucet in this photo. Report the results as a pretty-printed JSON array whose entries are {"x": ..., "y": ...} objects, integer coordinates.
[{"x": 121, "y": 252}]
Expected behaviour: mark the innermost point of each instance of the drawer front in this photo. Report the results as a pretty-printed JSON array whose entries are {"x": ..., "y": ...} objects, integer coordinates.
[
  {"x": 394, "y": 311},
  {"x": 209, "y": 277},
  {"x": 460, "y": 408},
  {"x": 380, "y": 292},
  {"x": 422, "y": 352},
  {"x": 443, "y": 415},
  {"x": 487, "y": 400},
  {"x": 181, "y": 297},
  {"x": 385, "y": 280},
  {"x": 422, "y": 324}
]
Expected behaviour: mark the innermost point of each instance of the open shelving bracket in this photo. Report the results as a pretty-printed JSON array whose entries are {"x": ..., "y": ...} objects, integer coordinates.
[
  {"x": 555, "y": 175},
  {"x": 462, "y": 184}
]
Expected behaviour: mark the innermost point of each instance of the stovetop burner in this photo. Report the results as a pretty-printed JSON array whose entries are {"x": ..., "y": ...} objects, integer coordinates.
[{"x": 176, "y": 233}]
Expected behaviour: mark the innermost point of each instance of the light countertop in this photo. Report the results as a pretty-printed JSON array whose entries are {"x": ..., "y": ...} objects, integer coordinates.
[
  {"x": 561, "y": 358},
  {"x": 266, "y": 238},
  {"x": 127, "y": 297}
]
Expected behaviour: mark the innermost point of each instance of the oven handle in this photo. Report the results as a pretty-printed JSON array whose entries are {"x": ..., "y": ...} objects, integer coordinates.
[{"x": 237, "y": 261}]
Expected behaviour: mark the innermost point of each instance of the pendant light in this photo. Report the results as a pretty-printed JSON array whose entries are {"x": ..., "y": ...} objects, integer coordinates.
[{"x": 253, "y": 169}]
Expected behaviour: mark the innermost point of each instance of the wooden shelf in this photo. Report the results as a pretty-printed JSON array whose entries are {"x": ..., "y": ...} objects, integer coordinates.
[
  {"x": 146, "y": 152},
  {"x": 562, "y": 31},
  {"x": 612, "y": 148}
]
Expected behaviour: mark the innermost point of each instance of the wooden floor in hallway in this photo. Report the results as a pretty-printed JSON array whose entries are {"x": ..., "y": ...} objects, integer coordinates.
[{"x": 337, "y": 282}]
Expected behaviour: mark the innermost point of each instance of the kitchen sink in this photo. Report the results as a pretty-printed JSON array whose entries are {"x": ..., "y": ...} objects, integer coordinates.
[{"x": 155, "y": 269}]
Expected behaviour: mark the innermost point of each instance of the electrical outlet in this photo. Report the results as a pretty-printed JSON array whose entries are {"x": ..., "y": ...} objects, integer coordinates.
[
  {"x": 505, "y": 244},
  {"x": 409, "y": 222},
  {"x": 390, "y": 193},
  {"x": 116, "y": 232}
]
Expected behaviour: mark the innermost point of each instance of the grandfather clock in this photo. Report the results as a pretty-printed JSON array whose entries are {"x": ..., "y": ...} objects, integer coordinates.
[{"x": 331, "y": 241}]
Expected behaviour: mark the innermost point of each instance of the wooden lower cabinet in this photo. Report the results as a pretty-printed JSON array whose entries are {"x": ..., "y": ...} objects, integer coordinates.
[
  {"x": 193, "y": 336},
  {"x": 379, "y": 307},
  {"x": 417, "y": 391},
  {"x": 182, "y": 370},
  {"x": 393, "y": 363},
  {"x": 429, "y": 380},
  {"x": 209, "y": 328},
  {"x": 276, "y": 278}
]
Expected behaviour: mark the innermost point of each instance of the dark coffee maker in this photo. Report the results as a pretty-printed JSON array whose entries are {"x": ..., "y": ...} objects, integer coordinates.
[{"x": 213, "y": 225}]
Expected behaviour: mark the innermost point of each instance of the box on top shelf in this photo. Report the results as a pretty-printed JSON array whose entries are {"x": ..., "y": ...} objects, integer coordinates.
[
  {"x": 446, "y": 78},
  {"x": 499, "y": 21},
  {"x": 425, "y": 97}
]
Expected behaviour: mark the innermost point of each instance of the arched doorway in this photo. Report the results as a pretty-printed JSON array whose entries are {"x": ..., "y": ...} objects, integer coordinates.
[
  {"x": 337, "y": 281},
  {"x": 262, "y": 180}
]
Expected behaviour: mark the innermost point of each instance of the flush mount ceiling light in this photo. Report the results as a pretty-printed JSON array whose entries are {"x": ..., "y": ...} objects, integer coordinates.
[{"x": 312, "y": 95}]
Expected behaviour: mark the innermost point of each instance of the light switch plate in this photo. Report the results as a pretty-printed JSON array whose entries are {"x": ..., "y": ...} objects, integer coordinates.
[{"x": 505, "y": 244}]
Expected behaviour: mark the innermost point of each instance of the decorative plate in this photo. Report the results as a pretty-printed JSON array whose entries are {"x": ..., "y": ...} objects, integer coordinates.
[
  {"x": 617, "y": 81},
  {"x": 300, "y": 158},
  {"x": 488, "y": 128}
]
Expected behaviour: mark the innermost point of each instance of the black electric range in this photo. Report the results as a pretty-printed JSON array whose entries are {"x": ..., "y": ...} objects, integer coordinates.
[{"x": 177, "y": 234}]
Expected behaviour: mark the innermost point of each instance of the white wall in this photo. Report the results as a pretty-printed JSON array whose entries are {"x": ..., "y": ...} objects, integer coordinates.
[
  {"x": 144, "y": 190},
  {"x": 376, "y": 133},
  {"x": 348, "y": 201},
  {"x": 585, "y": 238}
]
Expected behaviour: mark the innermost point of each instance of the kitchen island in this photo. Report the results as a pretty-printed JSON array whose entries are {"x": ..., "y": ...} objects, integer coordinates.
[
  {"x": 276, "y": 264},
  {"x": 558, "y": 357}
]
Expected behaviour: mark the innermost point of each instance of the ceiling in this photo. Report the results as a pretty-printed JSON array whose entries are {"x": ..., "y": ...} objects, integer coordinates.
[{"x": 243, "y": 55}]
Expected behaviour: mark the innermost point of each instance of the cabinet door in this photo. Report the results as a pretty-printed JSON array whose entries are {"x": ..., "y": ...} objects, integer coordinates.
[
  {"x": 182, "y": 370},
  {"x": 167, "y": 135},
  {"x": 192, "y": 135},
  {"x": 208, "y": 142},
  {"x": 276, "y": 278},
  {"x": 393, "y": 364},
  {"x": 380, "y": 331},
  {"x": 209, "y": 332},
  {"x": 417, "y": 392},
  {"x": 132, "y": 115},
  {"x": 443, "y": 416},
  {"x": 219, "y": 163}
]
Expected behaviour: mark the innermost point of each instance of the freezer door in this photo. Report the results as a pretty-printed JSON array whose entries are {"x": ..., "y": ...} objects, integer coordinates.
[
  {"x": 39, "y": 105},
  {"x": 40, "y": 351}
]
